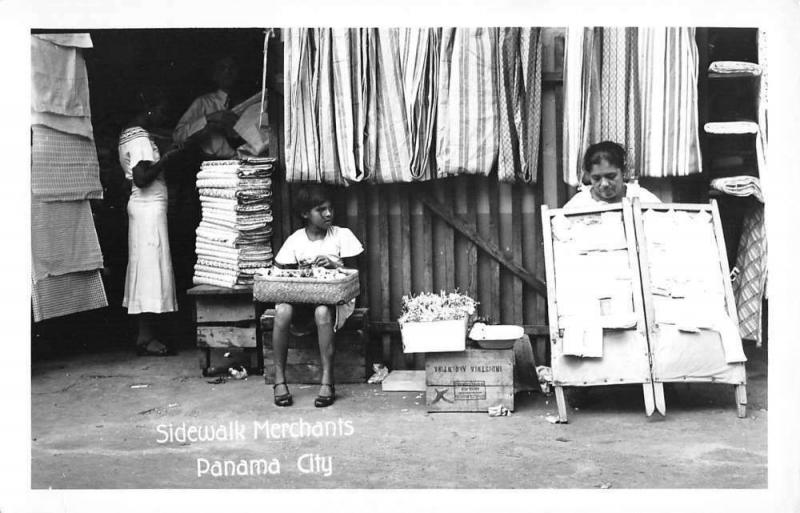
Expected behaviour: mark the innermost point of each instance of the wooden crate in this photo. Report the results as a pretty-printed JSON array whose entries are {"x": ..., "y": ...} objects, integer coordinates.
[
  {"x": 471, "y": 380},
  {"x": 226, "y": 322},
  {"x": 303, "y": 361}
]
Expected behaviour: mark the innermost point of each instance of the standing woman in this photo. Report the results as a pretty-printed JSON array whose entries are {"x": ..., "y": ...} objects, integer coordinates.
[{"x": 149, "y": 282}]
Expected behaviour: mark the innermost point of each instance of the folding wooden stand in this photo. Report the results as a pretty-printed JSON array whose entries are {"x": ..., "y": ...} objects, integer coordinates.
[
  {"x": 652, "y": 353},
  {"x": 686, "y": 357},
  {"x": 626, "y": 352}
]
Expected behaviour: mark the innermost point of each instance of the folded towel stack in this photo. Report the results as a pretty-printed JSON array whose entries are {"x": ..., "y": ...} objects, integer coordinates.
[{"x": 233, "y": 238}]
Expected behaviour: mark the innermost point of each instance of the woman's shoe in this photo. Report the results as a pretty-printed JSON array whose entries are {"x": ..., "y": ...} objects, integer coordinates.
[
  {"x": 283, "y": 399},
  {"x": 153, "y": 348},
  {"x": 323, "y": 401}
]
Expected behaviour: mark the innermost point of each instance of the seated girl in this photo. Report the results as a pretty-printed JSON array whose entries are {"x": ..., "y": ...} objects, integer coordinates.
[{"x": 319, "y": 243}]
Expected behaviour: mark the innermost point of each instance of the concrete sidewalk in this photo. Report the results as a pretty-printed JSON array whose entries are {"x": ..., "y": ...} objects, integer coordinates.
[{"x": 100, "y": 421}]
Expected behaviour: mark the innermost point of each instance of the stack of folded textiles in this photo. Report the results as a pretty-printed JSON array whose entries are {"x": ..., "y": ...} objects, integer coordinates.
[{"x": 233, "y": 238}]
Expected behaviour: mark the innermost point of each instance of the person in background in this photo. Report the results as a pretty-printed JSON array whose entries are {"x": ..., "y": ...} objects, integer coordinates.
[
  {"x": 604, "y": 166},
  {"x": 319, "y": 243},
  {"x": 204, "y": 132},
  {"x": 209, "y": 121},
  {"x": 149, "y": 281}
]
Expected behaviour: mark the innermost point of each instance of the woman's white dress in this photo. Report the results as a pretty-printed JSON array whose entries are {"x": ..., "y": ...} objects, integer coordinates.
[{"x": 149, "y": 281}]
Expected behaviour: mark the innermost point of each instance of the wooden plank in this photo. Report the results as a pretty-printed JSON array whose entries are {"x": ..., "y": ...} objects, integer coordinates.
[
  {"x": 226, "y": 336},
  {"x": 483, "y": 239},
  {"x": 443, "y": 240},
  {"x": 549, "y": 175},
  {"x": 466, "y": 255},
  {"x": 395, "y": 250},
  {"x": 359, "y": 227},
  {"x": 741, "y": 401},
  {"x": 385, "y": 262},
  {"x": 206, "y": 290},
  {"x": 552, "y": 310},
  {"x": 510, "y": 286},
  {"x": 723, "y": 262},
  {"x": 561, "y": 404},
  {"x": 533, "y": 305},
  {"x": 374, "y": 250},
  {"x": 421, "y": 246},
  {"x": 468, "y": 397},
  {"x": 642, "y": 297},
  {"x": 404, "y": 381},
  {"x": 516, "y": 249},
  {"x": 224, "y": 309},
  {"x": 656, "y": 390}
]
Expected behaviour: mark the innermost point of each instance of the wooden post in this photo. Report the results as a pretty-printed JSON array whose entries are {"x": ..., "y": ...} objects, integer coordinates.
[
  {"x": 661, "y": 404},
  {"x": 741, "y": 401},
  {"x": 488, "y": 269},
  {"x": 561, "y": 403},
  {"x": 443, "y": 240},
  {"x": 466, "y": 253},
  {"x": 511, "y": 308}
]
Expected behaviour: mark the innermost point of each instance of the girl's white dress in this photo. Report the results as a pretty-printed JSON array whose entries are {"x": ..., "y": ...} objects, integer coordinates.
[
  {"x": 338, "y": 241},
  {"x": 149, "y": 281}
]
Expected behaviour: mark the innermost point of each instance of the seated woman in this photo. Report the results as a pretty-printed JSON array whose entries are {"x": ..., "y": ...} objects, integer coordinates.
[
  {"x": 319, "y": 243},
  {"x": 149, "y": 282},
  {"x": 605, "y": 168}
]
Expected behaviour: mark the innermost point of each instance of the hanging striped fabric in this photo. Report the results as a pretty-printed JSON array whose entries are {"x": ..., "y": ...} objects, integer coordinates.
[
  {"x": 468, "y": 113},
  {"x": 300, "y": 120},
  {"x": 519, "y": 103},
  {"x": 420, "y": 66},
  {"x": 669, "y": 71},
  {"x": 637, "y": 87},
  {"x": 392, "y": 141}
]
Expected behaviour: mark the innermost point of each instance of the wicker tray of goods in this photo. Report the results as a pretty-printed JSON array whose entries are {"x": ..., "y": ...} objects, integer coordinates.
[{"x": 315, "y": 285}]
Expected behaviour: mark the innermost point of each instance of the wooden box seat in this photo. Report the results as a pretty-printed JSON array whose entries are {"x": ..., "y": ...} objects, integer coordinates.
[{"x": 303, "y": 361}]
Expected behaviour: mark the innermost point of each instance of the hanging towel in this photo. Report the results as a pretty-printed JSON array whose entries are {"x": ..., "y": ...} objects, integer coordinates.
[
  {"x": 668, "y": 69},
  {"x": 734, "y": 67},
  {"x": 63, "y": 238},
  {"x": 60, "y": 84},
  {"x": 739, "y": 186},
  {"x": 519, "y": 103},
  {"x": 243, "y": 197},
  {"x": 731, "y": 127},
  {"x": 750, "y": 286},
  {"x": 467, "y": 116},
  {"x": 64, "y": 167},
  {"x": 66, "y": 294}
]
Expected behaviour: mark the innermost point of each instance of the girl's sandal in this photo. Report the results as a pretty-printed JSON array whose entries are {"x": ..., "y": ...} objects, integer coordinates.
[
  {"x": 323, "y": 401},
  {"x": 282, "y": 399}
]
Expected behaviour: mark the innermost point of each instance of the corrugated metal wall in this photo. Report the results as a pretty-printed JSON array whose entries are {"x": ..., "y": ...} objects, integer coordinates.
[{"x": 410, "y": 249}]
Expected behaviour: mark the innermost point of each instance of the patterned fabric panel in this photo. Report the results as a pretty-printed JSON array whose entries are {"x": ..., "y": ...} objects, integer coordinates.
[
  {"x": 55, "y": 296},
  {"x": 64, "y": 167}
]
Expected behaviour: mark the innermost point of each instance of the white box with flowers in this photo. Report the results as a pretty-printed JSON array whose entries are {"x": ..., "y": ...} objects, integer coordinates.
[{"x": 435, "y": 322}]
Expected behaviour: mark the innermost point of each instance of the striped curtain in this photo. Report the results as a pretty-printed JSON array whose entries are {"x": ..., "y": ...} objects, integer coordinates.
[
  {"x": 519, "y": 102},
  {"x": 668, "y": 75},
  {"x": 360, "y": 104},
  {"x": 468, "y": 115},
  {"x": 637, "y": 87}
]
